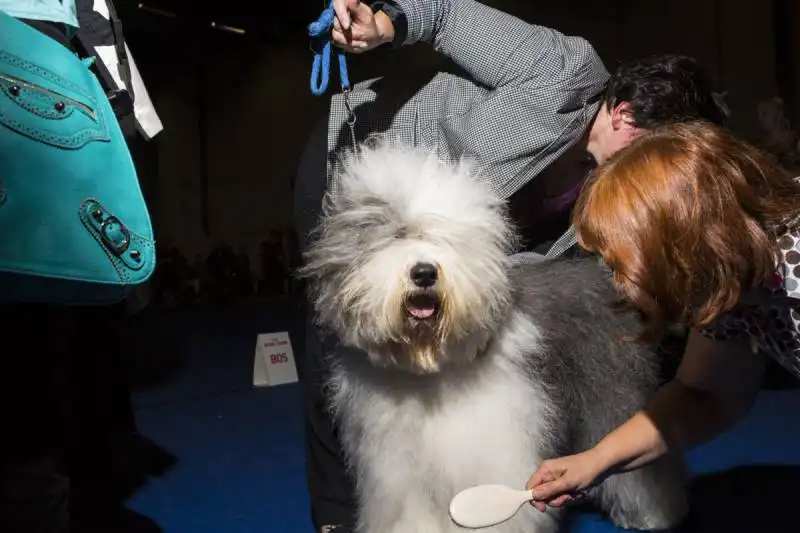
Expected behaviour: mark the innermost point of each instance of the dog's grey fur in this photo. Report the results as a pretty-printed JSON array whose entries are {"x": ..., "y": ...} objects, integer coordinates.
[{"x": 521, "y": 362}]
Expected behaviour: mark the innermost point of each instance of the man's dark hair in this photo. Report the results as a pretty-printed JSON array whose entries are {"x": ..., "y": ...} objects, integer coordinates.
[{"x": 665, "y": 89}]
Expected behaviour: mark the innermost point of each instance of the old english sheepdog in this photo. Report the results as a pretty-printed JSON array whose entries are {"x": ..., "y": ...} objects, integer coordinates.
[{"x": 468, "y": 369}]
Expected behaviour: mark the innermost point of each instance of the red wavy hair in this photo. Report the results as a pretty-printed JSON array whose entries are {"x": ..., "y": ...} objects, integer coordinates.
[{"x": 687, "y": 217}]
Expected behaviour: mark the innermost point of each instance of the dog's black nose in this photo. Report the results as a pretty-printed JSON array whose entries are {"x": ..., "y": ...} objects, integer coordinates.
[{"x": 423, "y": 275}]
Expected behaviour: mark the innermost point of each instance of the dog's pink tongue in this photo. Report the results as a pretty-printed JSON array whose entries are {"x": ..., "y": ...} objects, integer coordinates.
[{"x": 421, "y": 312}]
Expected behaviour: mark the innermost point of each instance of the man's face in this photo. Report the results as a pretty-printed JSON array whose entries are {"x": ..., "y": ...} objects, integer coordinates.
[{"x": 611, "y": 131}]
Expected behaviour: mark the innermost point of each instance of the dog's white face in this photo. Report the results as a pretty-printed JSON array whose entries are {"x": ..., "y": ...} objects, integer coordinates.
[{"x": 410, "y": 260}]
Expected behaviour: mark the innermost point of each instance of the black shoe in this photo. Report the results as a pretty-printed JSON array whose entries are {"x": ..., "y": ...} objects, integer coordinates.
[{"x": 335, "y": 529}]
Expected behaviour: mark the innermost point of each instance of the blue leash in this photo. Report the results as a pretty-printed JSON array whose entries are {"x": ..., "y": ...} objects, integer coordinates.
[{"x": 319, "y": 31}]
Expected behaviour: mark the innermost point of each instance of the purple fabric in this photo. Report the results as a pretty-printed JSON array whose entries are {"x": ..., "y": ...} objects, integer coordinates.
[{"x": 561, "y": 204}]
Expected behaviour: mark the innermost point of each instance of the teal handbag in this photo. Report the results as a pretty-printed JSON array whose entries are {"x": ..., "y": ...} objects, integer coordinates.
[{"x": 74, "y": 226}]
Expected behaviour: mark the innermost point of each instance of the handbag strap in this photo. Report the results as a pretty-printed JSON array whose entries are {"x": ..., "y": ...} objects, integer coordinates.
[
  {"x": 122, "y": 55},
  {"x": 87, "y": 46}
]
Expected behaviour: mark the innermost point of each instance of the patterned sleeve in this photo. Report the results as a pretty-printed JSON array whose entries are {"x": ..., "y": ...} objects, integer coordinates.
[
  {"x": 730, "y": 326},
  {"x": 545, "y": 86},
  {"x": 498, "y": 49}
]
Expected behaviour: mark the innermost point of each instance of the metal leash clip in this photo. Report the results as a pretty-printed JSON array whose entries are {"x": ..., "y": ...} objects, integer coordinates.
[{"x": 351, "y": 116}]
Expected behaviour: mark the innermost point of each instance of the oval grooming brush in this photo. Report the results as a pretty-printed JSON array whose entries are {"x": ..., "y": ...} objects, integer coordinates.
[{"x": 487, "y": 505}]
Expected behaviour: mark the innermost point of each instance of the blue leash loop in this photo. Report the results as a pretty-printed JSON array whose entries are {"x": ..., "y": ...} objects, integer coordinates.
[{"x": 320, "y": 33}]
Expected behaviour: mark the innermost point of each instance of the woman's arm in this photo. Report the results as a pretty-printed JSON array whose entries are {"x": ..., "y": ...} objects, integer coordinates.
[{"x": 714, "y": 388}]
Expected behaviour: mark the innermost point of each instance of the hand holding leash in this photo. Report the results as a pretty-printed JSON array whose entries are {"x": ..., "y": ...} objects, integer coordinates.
[
  {"x": 356, "y": 28},
  {"x": 320, "y": 31}
]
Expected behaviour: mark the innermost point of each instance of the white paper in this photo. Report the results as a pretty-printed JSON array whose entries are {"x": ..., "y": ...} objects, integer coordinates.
[{"x": 274, "y": 360}]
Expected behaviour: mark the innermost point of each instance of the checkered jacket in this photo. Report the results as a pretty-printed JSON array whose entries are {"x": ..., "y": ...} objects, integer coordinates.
[{"x": 518, "y": 95}]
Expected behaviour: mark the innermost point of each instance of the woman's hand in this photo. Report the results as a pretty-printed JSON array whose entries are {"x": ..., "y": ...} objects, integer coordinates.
[
  {"x": 357, "y": 29},
  {"x": 558, "y": 481}
]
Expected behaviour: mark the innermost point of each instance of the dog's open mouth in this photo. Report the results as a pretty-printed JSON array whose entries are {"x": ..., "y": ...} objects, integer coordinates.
[{"x": 422, "y": 306}]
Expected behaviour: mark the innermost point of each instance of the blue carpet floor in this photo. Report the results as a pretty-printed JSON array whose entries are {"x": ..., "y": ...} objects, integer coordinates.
[{"x": 240, "y": 450}]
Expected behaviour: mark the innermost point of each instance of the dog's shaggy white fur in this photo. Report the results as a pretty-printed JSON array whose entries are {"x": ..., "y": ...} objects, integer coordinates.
[{"x": 468, "y": 370}]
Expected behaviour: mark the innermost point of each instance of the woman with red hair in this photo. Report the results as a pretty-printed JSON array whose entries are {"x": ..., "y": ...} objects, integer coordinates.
[{"x": 699, "y": 229}]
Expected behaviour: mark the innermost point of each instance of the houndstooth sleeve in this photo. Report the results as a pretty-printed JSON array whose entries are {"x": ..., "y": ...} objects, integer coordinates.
[
  {"x": 498, "y": 49},
  {"x": 544, "y": 86}
]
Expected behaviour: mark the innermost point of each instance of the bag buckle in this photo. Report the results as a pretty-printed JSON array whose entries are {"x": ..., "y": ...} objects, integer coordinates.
[
  {"x": 114, "y": 234},
  {"x": 110, "y": 231}
]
